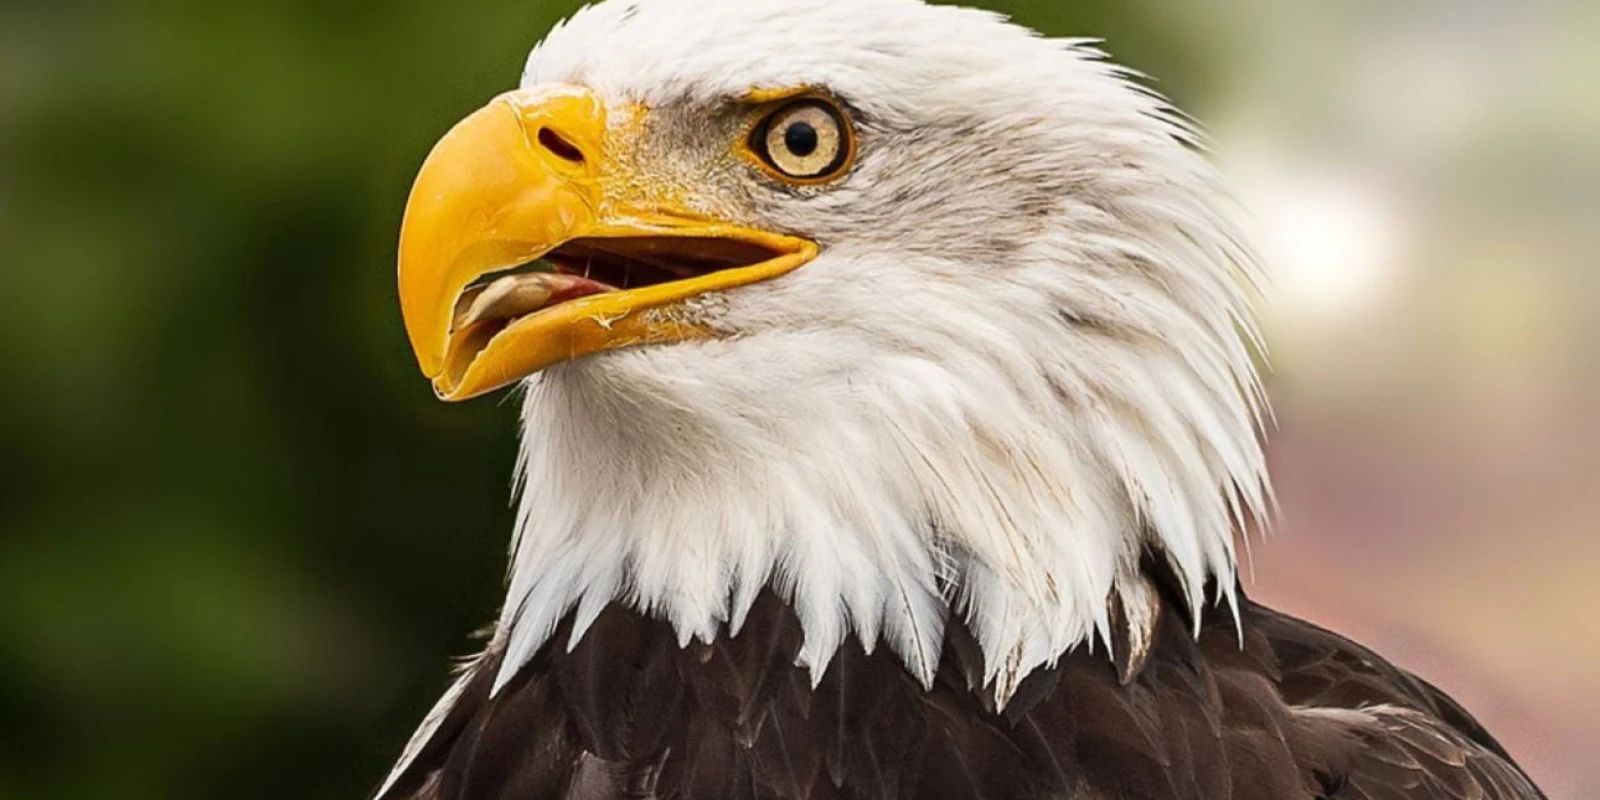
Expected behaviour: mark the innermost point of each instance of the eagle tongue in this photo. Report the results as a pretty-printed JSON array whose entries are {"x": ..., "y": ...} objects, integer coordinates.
[{"x": 521, "y": 294}]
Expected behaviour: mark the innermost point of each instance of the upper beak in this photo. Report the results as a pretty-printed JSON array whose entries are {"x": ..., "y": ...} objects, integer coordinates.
[{"x": 531, "y": 176}]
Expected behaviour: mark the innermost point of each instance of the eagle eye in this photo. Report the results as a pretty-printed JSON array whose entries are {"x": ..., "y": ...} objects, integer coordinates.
[{"x": 805, "y": 141}]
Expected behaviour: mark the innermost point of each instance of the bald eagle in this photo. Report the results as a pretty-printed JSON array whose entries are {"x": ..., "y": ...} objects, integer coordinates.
[{"x": 890, "y": 411}]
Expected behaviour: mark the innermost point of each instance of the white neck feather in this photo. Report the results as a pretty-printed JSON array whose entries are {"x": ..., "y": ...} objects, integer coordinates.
[{"x": 1013, "y": 480}]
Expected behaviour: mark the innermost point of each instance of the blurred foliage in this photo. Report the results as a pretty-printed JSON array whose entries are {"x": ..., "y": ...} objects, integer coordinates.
[{"x": 239, "y": 540}]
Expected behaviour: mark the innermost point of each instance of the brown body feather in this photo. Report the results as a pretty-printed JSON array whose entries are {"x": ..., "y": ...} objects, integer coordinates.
[{"x": 1293, "y": 712}]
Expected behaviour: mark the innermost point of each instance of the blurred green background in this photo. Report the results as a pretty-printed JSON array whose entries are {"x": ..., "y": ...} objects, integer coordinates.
[{"x": 240, "y": 541}]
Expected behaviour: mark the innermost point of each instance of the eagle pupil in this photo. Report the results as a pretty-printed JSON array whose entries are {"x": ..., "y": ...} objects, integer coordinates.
[{"x": 801, "y": 139}]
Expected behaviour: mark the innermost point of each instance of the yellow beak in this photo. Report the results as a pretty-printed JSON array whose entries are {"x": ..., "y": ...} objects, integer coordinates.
[{"x": 529, "y": 177}]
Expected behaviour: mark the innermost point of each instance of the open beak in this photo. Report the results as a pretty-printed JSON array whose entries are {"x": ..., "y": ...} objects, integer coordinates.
[{"x": 528, "y": 182}]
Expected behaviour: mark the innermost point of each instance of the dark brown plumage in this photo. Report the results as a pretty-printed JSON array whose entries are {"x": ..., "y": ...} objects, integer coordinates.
[{"x": 1292, "y": 711}]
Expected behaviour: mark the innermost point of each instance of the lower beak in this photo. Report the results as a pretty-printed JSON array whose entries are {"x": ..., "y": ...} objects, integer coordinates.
[{"x": 525, "y": 179}]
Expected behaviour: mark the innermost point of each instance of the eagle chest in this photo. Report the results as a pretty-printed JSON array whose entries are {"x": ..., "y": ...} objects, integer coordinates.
[{"x": 628, "y": 712}]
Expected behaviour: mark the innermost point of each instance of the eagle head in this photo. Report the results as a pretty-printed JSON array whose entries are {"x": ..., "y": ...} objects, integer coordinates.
[{"x": 902, "y": 311}]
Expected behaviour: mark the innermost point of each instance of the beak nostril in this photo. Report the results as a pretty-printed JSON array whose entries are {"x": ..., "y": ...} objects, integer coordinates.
[{"x": 558, "y": 144}]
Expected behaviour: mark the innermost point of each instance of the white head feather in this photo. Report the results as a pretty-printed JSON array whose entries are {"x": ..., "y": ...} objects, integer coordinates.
[{"x": 1022, "y": 359}]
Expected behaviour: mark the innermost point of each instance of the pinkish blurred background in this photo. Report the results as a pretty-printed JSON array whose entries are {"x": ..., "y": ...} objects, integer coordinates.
[{"x": 1425, "y": 180}]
